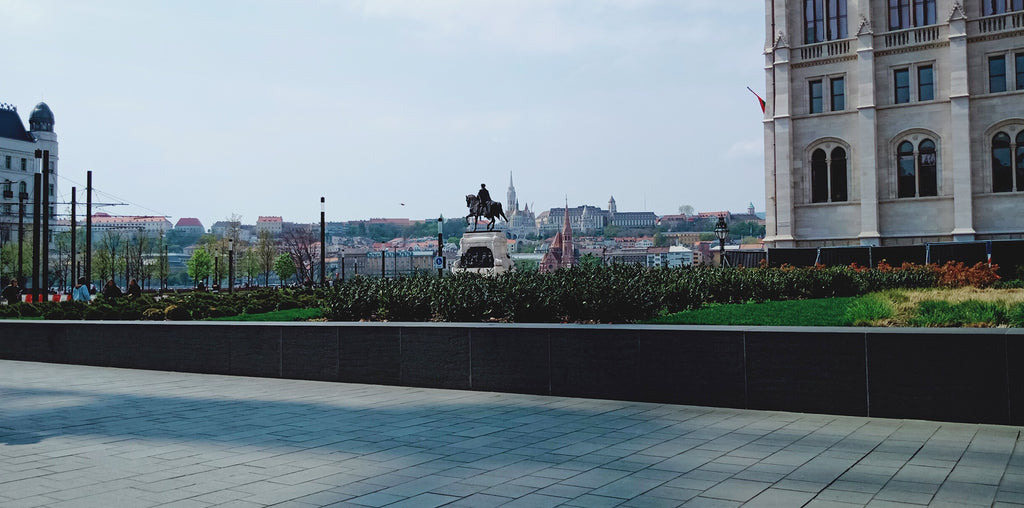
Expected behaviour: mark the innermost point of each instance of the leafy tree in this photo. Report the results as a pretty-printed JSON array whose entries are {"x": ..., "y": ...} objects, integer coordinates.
[
  {"x": 284, "y": 267},
  {"x": 527, "y": 265},
  {"x": 589, "y": 260},
  {"x": 660, "y": 240},
  {"x": 250, "y": 265},
  {"x": 612, "y": 231},
  {"x": 200, "y": 265},
  {"x": 266, "y": 254},
  {"x": 705, "y": 237}
]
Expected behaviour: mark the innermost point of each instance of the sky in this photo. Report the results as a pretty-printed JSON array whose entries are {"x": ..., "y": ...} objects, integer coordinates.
[{"x": 393, "y": 108}]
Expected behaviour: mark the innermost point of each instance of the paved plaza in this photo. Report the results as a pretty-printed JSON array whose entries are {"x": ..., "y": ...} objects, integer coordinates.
[{"x": 75, "y": 436}]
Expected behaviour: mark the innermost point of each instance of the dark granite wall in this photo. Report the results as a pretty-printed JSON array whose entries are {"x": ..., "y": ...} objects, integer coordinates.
[{"x": 968, "y": 375}]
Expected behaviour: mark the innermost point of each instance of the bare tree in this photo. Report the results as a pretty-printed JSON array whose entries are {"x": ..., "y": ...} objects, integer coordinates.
[
  {"x": 303, "y": 247},
  {"x": 106, "y": 260}
]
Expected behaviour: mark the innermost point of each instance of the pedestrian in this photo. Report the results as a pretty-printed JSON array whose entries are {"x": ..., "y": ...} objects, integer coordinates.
[
  {"x": 81, "y": 291},
  {"x": 12, "y": 293},
  {"x": 134, "y": 291},
  {"x": 111, "y": 291}
]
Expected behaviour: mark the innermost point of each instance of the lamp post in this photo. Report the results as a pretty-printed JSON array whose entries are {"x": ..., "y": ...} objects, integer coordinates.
[
  {"x": 231, "y": 265},
  {"x": 343, "y": 264},
  {"x": 323, "y": 248},
  {"x": 440, "y": 245},
  {"x": 721, "y": 231}
]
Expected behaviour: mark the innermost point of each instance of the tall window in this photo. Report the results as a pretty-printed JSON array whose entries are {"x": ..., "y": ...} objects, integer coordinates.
[
  {"x": 838, "y": 102},
  {"x": 1020, "y": 69},
  {"x": 901, "y": 80},
  {"x": 990, "y": 7},
  {"x": 925, "y": 83},
  {"x": 997, "y": 73},
  {"x": 916, "y": 172},
  {"x": 828, "y": 176},
  {"x": 24, "y": 164},
  {"x": 824, "y": 20},
  {"x": 7, "y": 162},
  {"x": 927, "y": 162},
  {"x": 911, "y": 13},
  {"x": 837, "y": 175},
  {"x": 1007, "y": 162},
  {"x": 817, "y": 99},
  {"x": 819, "y": 177},
  {"x": 22, "y": 188}
]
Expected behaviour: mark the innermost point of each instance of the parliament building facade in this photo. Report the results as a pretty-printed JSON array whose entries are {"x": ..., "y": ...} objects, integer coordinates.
[{"x": 893, "y": 122}]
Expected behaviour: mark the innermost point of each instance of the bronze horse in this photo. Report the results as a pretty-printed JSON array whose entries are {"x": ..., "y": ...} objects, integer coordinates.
[{"x": 476, "y": 209}]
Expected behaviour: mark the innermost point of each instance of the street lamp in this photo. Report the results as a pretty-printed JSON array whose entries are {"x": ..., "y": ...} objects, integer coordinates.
[
  {"x": 231, "y": 265},
  {"x": 721, "y": 231}
]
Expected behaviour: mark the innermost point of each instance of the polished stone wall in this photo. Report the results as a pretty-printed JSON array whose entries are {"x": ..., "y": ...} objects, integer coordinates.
[{"x": 967, "y": 375}]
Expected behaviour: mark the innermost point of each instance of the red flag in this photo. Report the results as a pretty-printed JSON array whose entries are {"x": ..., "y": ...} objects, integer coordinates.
[{"x": 759, "y": 99}]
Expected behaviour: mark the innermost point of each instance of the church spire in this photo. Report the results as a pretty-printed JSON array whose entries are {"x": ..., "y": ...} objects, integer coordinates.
[{"x": 511, "y": 203}]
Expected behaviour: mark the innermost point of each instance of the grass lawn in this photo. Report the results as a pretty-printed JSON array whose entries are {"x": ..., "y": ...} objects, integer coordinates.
[
  {"x": 277, "y": 315},
  {"x": 964, "y": 307},
  {"x": 824, "y": 312}
]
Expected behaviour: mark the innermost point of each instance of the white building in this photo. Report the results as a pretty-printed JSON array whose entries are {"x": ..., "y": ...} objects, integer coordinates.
[
  {"x": 18, "y": 163},
  {"x": 894, "y": 122}
]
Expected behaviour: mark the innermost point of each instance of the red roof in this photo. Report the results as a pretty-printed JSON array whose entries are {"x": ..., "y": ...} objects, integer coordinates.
[
  {"x": 188, "y": 221},
  {"x": 268, "y": 219}
]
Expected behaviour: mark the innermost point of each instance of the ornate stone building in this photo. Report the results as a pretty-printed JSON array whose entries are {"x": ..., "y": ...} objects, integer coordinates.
[
  {"x": 521, "y": 222},
  {"x": 893, "y": 122},
  {"x": 18, "y": 163}
]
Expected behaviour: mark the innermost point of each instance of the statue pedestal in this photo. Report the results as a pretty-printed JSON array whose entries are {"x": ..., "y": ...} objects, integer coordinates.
[{"x": 484, "y": 252}]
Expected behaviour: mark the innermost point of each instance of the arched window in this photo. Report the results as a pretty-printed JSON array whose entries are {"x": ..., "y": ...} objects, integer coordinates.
[
  {"x": 828, "y": 175},
  {"x": 1002, "y": 163},
  {"x": 906, "y": 176},
  {"x": 927, "y": 180},
  {"x": 819, "y": 177},
  {"x": 1020, "y": 161},
  {"x": 837, "y": 174}
]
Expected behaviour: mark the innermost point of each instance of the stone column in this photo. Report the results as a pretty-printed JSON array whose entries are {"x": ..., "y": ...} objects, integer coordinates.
[
  {"x": 866, "y": 145},
  {"x": 960, "y": 121}
]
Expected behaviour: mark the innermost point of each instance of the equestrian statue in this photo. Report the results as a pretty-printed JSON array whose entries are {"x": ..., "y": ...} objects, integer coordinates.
[{"x": 480, "y": 204}]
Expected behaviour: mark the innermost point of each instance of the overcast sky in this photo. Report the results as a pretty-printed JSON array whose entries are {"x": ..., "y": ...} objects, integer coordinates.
[{"x": 259, "y": 107}]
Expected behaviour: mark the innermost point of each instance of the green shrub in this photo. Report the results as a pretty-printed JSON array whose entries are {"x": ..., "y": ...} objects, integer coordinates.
[{"x": 865, "y": 310}]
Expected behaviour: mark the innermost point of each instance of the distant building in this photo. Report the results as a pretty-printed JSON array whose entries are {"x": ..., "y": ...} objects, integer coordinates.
[
  {"x": 269, "y": 224},
  {"x": 669, "y": 257},
  {"x": 520, "y": 222},
  {"x": 189, "y": 225},
  {"x": 589, "y": 219},
  {"x": 18, "y": 163},
  {"x": 148, "y": 225},
  {"x": 562, "y": 253}
]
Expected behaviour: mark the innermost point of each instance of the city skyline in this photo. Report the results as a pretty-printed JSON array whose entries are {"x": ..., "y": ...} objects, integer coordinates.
[{"x": 393, "y": 108}]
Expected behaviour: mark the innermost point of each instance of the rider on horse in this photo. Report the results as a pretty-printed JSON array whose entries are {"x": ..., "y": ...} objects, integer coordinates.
[{"x": 484, "y": 197}]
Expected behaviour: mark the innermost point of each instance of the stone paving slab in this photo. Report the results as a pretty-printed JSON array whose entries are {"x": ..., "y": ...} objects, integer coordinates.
[{"x": 81, "y": 436}]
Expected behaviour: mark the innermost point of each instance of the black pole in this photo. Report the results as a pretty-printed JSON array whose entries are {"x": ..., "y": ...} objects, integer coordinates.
[
  {"x": 74, "y": 251},
  {"x": 21, "y": 238},
  {"x": 383, "y": 260},
  {"x": 37, "y": 181},
  {"x": 127, "y": 264},
  {"x": 343, "y": 265},
  {"x": 440, "y": 244},
  {"x": 216, "y": 271},
  {"x": 323, "y": 244},
  {"x": 167, "y": 266},
  {"x": 45, "y": 208},
  {"x": 231, "y": 266},
  {"x": 88, "y": 225}
]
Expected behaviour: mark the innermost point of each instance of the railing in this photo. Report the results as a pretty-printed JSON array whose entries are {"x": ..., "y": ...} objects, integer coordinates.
[
  {"x": 911, "y": 36},
  {"x": 1001, "y": 22},
  {"x": 825, "y": 49}
]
